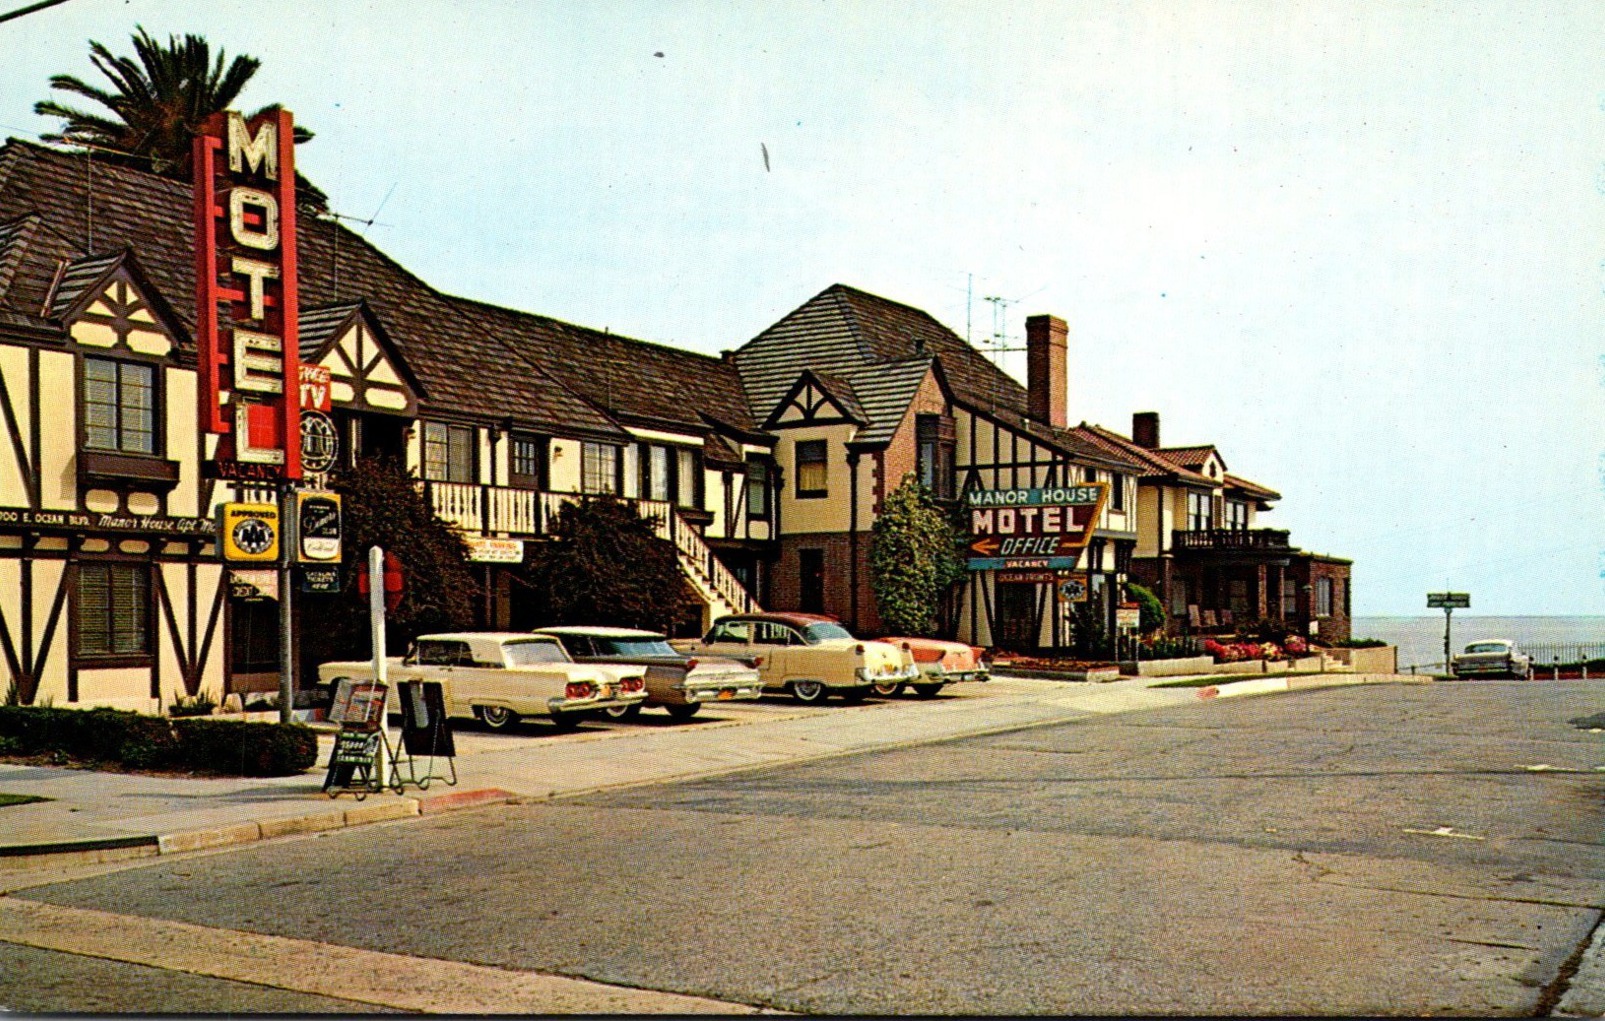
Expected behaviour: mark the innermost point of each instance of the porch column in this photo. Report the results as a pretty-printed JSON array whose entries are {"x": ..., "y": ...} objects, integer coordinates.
[{"x": 1259, "y": 590}]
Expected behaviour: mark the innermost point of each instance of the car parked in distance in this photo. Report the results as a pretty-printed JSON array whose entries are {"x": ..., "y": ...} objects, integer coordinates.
[
  {"x": 675, "y": 681},
  {"x": 499, "y": 677},
  {"x": 808, "y": 655},
  {"x": 1492, "y": 657},
  {"x": 940, "y": 663}
]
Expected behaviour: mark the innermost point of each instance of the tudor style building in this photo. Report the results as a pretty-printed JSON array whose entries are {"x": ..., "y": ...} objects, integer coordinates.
[
  {"x": 1199, "y": 548},
  {"x": 111, "y": 591},
  {"x": 766, "y": 468}
]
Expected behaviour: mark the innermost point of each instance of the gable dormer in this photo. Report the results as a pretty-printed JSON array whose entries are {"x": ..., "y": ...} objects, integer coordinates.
[
  {"x": 106, "y": 303},
  {"x": 816, "y": 400},
  {"x": 366, "y": 369}
]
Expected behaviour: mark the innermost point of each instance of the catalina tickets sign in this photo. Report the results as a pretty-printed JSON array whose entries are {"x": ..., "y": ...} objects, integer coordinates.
[
  {"x": 1033, "y": 529},
  {"x": 246, "y": 305}
]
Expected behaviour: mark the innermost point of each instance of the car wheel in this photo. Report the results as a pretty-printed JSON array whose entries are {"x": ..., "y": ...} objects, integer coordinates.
[
  {"x": 890, "y": 690},
  {"x": 809, "y": 692},
  {"x": 624, "y": 712},
  {"x": 496, "y": 717},
  {"x": 684, "y": 712},
  {"x": 927, "y": 690},
  {"x": 567, "y": 721}
]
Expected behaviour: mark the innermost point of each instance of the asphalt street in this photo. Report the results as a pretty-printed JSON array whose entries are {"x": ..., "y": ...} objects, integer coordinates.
[{"x": 1378, "y": 850}]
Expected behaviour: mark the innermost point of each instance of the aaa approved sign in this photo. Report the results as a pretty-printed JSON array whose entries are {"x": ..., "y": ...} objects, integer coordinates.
[{"x": 248, "y": 533}]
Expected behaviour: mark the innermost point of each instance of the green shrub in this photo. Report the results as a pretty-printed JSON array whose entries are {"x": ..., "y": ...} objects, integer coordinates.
[
  {"x": 191, "y": 705},
  {"x": 238, "y": 748},
  {"x": 1360, "y": 643},
  {"x": 1151, "y": 609},
  {"x": 136, "y": 741},
  {"x": 93, "y": 735}
]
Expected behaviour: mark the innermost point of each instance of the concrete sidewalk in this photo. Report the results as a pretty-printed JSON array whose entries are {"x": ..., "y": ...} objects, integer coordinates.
[{"x": 99, "y": 816}]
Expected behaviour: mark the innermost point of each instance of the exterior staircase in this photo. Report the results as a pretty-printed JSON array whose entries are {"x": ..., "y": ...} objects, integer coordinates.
[{"x": 719, "y": 589}]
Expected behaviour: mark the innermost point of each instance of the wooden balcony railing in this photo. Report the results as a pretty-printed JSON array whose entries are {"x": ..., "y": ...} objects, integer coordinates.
[
  {"x": 528, "y": 513},
  {"x": 1231, "y": 539}
]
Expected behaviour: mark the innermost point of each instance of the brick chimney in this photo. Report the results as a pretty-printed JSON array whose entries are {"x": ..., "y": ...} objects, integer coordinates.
[
  {"x": 1047, "y": 374},
  {"x": 1145, "y": 429}
]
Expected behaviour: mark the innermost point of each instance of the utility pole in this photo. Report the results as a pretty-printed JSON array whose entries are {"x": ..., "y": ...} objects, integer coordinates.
[
  {"x": 1450, "y": 602},
  {"x": 287, "y": 546}
]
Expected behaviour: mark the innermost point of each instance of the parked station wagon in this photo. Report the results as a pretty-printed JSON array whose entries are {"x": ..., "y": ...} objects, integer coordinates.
[
  {"x": 500, "y": 677},
  {"x": 940, "y": 663},
  {"x": 675, "y": 681},
  {"x": 810, "y": 656}
]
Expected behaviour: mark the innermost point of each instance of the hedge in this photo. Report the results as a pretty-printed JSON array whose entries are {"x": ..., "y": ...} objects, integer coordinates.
[{"x": 135, "y": 741}]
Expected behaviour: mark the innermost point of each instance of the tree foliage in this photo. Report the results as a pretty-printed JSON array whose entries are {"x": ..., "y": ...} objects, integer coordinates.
[
  {"x": 1152, "y": 610},
  {"x": 158, "y": 100},
  {"x": 607, "y": 566},
  {"x": 381, "y": 505},
  {"x": 913, "y": 559}
]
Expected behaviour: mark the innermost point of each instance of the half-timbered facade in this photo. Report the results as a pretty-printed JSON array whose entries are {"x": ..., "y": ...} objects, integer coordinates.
[
  {"x": 1200, "y": 547},
  {"x": 863, "y": 391},
  {"x": 111, "y": 591}
]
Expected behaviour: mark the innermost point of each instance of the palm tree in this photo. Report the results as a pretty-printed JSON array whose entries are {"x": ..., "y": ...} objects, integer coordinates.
[{"x": 157, "y": 104}]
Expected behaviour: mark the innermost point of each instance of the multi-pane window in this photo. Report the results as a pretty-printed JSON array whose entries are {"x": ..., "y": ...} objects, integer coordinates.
[
  {"x": 599, "y": 468},
  {"x": 936, "y": 441},
  {"x": 1198, "y": 516},
  {"x": 657, "y": 473},
  {"x": 448, "y": 452},
  {"x": 113, "y": 611},
  {"x": 686, "y": 478},
  {"x": 1236, "y": 515},
  {"x": 1323, "y": 597},
  {"x": 812, "y": 481},
  {"x": 757, "y": 489},
  {"x": 528, "y": 462},
  {"x": 119, "y": 406}
]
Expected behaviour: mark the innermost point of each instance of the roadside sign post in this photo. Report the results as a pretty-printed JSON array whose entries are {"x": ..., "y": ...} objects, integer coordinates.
[
  {"x": 1450, "y": 602},
  {"x": 376, "y": 623}
]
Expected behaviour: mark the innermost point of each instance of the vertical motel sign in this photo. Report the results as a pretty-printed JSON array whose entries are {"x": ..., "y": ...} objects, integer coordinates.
[
  {"x": 1033, "y": 529},
  {"x": 246, "y": 302}
]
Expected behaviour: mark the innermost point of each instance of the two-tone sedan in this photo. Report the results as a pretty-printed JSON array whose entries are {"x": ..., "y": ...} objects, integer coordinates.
[
  {"x": 805, "y": 654},
  {"x": 679, "y": 683},
  {"x": 940, "y": 663},
  {"x": 499, "y": 677}
]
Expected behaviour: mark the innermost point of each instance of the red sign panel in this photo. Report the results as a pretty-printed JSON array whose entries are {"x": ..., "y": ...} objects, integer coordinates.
[
  {"x": 315, "y": 388},
  {"x": 246, "y": 304}
]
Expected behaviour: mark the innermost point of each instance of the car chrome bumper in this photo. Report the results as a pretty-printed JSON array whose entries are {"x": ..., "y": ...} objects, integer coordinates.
[
  {"x": 900, "y": 676},
  {"x": 954, "y": 676},
  {"x": 716, "y": 692},
  {"x": 576, "y": 705}
]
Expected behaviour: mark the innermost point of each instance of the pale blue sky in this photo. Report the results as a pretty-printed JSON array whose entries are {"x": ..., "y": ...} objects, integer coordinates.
[{"x": 1358, "y": 246}]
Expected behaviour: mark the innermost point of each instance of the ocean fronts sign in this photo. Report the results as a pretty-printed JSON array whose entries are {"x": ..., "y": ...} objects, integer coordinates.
[
  {"x": 1032, "y": 529},
  {"x": 246, "y": 299}
]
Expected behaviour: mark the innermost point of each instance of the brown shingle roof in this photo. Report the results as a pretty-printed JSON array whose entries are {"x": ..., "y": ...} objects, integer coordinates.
[
  {"x": 628, "y": 377},
  {"x": 88, "y": 208},
  {"x": 1251, "y": 488},
  {"x": 1152, "y": 462},
  {"x": 1191, "y": 457}
]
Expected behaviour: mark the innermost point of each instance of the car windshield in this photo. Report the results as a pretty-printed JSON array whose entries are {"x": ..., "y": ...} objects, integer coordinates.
[
  {"x": 534, "y": 653},
  {"x": 1486, "y": 647},
  {"x": 813, "y": 634},
  {"x": 634, "y": 647}
]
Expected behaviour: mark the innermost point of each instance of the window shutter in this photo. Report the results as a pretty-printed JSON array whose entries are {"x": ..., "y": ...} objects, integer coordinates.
[
  {"x": 94, "y": 611},
  {"x": 129, "y": 609}
]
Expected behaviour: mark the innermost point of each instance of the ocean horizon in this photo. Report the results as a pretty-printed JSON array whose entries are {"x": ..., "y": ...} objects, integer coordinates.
[{"x": 1420, "y": 638}]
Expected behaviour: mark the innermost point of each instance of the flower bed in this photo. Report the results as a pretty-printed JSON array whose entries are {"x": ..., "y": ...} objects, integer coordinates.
[{"x": 1242, "y": 652}]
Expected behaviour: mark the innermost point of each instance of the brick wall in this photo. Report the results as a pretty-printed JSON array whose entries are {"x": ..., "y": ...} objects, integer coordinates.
[{"x": 785, "y": 576}]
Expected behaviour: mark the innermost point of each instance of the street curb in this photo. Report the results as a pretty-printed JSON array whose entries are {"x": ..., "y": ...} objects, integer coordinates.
[
  {"x": 1270, "y": 685},
  {"x": 209, "y": 838}
]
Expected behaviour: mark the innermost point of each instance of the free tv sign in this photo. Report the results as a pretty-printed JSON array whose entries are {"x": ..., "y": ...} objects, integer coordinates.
[{"x": 245, "y": 291}]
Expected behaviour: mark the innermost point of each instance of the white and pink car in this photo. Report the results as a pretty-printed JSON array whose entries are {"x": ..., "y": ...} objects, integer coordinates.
[{"x": 940, "y": 663}]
